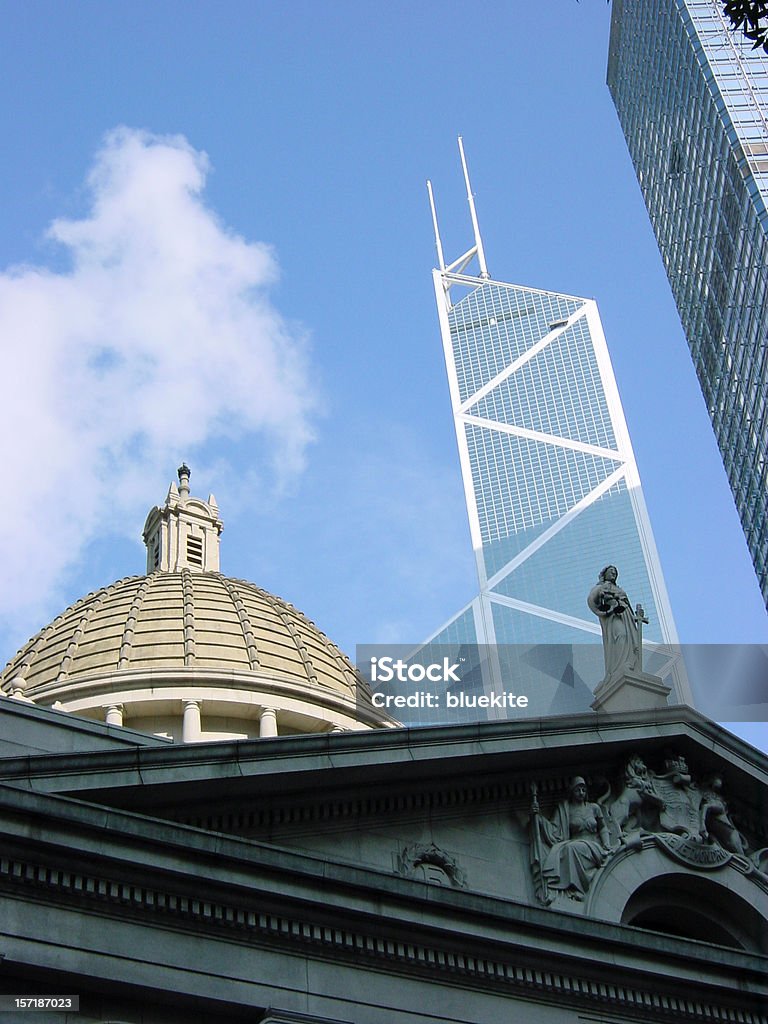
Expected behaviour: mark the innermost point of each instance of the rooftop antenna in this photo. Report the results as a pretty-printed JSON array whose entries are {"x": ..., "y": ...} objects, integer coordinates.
[
  {"x": 438, "y": 243},
  {"x": 473, "y": 212}
]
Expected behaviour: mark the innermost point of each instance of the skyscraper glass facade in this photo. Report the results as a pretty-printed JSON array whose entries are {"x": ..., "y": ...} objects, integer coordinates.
[
  {"x": 692, "y": 99},
  {"x": 552, "y": 488}
]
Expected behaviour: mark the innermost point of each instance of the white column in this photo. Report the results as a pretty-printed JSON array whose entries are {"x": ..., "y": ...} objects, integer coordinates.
[
  {"x": 114, "y": 715},
  {"x": 268, "y": 723},
  {"x": 191, "y": 727}
]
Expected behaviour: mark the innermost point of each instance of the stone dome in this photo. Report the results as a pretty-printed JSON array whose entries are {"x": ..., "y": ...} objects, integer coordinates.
[
  {"x": 174, "y": 621},
  {"x": 189, "y": 653}
]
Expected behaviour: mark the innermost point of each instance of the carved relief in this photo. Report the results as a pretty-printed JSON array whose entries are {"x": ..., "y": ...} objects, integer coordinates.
[
  {"x": 692, "y": 851},
  {"x": 671, "y": 802},
  {"x": 568, "y": 848},
  {"x": 714, "y": 820},
  {"x": 428, "y": 863},
  {"x": 637, "y": 805},
  {"x": 680, "y": 813},
  {"x": 689, "y": 822}
]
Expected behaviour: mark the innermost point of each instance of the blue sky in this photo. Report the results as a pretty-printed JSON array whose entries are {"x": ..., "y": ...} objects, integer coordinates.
[{"x": 266, "y": 312}]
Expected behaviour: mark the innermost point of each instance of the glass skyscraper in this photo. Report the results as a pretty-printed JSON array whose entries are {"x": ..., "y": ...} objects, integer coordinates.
[
  {"x": 552, "y": 488},
  {"x": 692, "y": 99}
]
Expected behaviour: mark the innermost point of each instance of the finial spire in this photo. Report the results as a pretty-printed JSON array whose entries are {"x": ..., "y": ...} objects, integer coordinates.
[
  {"x": 184, "y": 475},
  {"x": 473, "y": 214}
]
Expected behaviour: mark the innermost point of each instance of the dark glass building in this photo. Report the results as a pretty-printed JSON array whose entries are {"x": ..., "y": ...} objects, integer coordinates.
[{"x": 692, "y": 100}]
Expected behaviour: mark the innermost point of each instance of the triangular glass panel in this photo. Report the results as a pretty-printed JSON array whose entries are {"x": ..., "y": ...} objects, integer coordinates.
[
  {"x": 558, "y": 391},
  {"x": 560, "y": 574},
  {"x": 493, "y": 325},
  {"x": 520, "y": 484}
]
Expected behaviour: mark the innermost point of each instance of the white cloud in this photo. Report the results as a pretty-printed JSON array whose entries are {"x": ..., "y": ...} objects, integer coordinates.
[{"x": 160, "y": 337}]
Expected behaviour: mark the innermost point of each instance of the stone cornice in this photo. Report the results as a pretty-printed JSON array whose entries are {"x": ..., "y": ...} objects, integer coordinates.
[
  {"x": 548, "y": 736},
  {"x": 402, "y": 769}
]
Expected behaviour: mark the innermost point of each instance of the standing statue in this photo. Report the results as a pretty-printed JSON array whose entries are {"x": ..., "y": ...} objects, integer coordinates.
[
  {"x": 621, "y": 627},
  {"x": 568, "y": 849}
]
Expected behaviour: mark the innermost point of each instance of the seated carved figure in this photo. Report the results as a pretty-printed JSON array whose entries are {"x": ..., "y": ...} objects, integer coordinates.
[{"x": 572, "y": 846}]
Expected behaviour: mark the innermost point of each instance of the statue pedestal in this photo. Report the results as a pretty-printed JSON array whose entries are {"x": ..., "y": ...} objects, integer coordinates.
[{"x": 630, "y": 691}]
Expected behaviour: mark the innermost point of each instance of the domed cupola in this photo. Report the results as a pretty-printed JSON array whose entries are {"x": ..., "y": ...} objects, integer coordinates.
[{"x": 188, "y": 653}]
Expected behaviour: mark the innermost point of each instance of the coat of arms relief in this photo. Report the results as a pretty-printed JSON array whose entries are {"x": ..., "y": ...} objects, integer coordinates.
[{"x": 689, "y": 820}]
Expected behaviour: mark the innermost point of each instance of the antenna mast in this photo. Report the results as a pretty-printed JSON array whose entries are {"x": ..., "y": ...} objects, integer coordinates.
[
  {"x": 438, "y": 243},
  {"x": 473, "y": 212}
]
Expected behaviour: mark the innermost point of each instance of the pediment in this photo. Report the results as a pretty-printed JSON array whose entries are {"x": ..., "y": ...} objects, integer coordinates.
[{"x": 461, "y": 807}]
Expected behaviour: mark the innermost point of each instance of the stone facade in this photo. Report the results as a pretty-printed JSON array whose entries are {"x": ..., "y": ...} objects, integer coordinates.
[{"x": 383, "y": 876}]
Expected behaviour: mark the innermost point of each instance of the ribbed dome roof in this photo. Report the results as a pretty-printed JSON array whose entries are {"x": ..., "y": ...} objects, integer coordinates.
[
  {"x": 180, "y": 620},
  {"x": 189, "y": 654}
]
